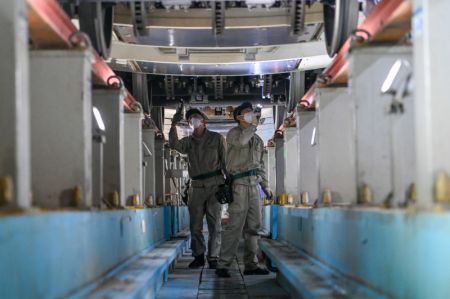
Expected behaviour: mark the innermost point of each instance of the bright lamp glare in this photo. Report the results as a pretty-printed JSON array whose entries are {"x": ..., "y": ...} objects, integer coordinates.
[
  {"x": 313, "y": 137},
  {"x": 98, "y": 118},
  {"x": 387, "y": 84}
]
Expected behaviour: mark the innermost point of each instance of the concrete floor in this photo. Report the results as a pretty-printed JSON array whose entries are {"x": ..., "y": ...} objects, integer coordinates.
[{"x": 203, "y": 283}]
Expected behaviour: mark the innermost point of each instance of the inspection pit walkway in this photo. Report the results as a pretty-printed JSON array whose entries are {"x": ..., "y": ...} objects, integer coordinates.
[{"x": 203, "y": 283}]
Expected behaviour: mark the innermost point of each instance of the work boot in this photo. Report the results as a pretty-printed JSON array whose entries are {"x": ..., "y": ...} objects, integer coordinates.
[
  {"x": 257, "y": 271},
  {"x": 212, "y": 264},
  {"x": 198, "y": 262},
  {"x": 223, "y": 273}
]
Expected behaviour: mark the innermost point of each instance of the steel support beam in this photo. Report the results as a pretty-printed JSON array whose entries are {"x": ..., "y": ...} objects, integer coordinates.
[
  {"x": 14, "y": 106},
  {"x": 149, "y": 174},
  {"x": 384, "y": 139},
  {"x": 61, "y": 130},
  {"x": 157, "y": 114},
  {"x": 140, "y": 90},
  {"x": 280, "y": 166},
  {"x": 170, "y": 185},
  {"x": 308, "y": 153},
  {"x": 160, "y": 180},
  {"x": 336, "y": 140},
  {"x": 279, "y": 115},
  {"x": 432, "y": 70},
  {"x": 292, "y": 163},
  {"x": 272, "y": 168},
  {"x": 297, "y": 88},
  {"x": 109, "y": 103},
  {"x": 133, "y": 158}
]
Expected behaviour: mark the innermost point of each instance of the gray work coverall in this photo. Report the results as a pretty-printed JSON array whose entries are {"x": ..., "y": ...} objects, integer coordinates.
[
  {"x": 206, "y": 154},
  {"x": 245, "y": 153}
]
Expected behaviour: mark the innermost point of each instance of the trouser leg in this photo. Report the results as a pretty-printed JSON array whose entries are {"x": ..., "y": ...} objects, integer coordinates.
[
  {"x": 213, "y": 215},
  {"x": 232, "y": 231},
  {"x": 251, "y": 229},
  {"x": 197, "y": 207}
]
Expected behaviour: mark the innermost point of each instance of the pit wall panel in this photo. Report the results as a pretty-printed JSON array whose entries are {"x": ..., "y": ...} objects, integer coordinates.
[
  {"x": 399, "y": 254},
  {"x": 336, "y": 143},
  {"x": 183, "y": 218},
  {"x": 61, "y": 130},
  {"x": 133, "y": 156},
  {"x": 266, "y": 216},
  {"x": 308, "y": 153},
  {"x": 53, "y": 255},
  {"x": 385, "y": 141},
  {"x": 292, "y": 163},
  {"x": 110, "y": 105},
  {"x": 148, "y": 172},
  {"x": 15, "y": 101},
  {"x": 280, "y": 166}
]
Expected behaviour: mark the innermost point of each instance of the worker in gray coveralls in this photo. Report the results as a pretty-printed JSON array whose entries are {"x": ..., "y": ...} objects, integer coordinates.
[
  {"x": 206, "y": 154},
  {"x": 246, "y": 167}
]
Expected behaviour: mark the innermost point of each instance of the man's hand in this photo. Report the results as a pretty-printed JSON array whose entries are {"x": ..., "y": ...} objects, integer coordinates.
[
  {"x": 268, "y": 194},
  {"x": 228, "y": 180},
  {"x": 256, "y": 118},
  {"x": 177, "y": 117}
]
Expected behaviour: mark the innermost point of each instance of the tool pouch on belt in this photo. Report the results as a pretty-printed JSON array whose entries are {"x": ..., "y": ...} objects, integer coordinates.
[
  {"x": 185, "y": 192},
  {"x": 225, "y": 193}
]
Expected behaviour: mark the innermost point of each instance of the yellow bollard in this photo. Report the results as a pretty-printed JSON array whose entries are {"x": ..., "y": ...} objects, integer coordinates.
[
  {"x": 282, "y": 199},
  {"x": 114, "y": 199},
  {"x": 160, "y": 201},
  {"x": 326, "y": 197},
  {"x": 77, "y": 197},
  {"x": 290, "y": 199},
  {"x": 149, "y": 201},
  {"x": 305, "y": 198},
  {"x": 365, "y": 195},
  {"x": 135, "y": 200},
  {"x": 442, "y": 188},
  {"x": 6, "y": 190},
  {"x": 412, "y": 192}
]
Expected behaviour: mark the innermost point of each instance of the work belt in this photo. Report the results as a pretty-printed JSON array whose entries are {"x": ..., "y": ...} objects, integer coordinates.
[
  {"x": 207, "y": 175},
  {"x": 244, "y": 174}
]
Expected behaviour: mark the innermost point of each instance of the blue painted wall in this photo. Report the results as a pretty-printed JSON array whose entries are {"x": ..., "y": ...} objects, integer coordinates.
[
  {"x": 266, "y": 218},
  {"x": 50, "y": 255},
  {"x": 400, "y": 254},
  {"x": 176, "y": 220},
  {"x": 183, "y": 218}
]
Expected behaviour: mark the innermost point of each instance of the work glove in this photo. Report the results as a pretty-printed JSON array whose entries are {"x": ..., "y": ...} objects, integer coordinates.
[
  {"x": 268, "y": 194},
  {"x": 256, "y": 119},
  {"x": 177, "y": 117},
  {"x": 228, "y": 180}
]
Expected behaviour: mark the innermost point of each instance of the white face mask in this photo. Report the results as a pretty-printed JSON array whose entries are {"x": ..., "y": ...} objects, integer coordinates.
[
  {"x": 195, "y": 123},
  {"x": 248, "y": 117}
]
